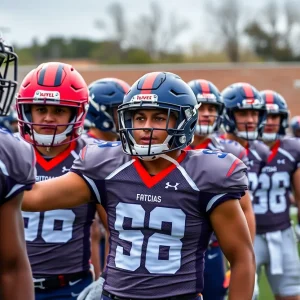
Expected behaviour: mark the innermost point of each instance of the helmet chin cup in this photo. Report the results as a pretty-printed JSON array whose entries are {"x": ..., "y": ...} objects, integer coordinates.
[{"x": 247, "y": 135}]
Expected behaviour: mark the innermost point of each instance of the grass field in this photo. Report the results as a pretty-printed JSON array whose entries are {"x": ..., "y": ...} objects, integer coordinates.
[{"x": 264, "y": 289}]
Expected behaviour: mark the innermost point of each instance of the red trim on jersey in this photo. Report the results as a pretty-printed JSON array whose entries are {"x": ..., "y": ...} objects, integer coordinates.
[
  {"x": 204, "y": 86},
  {"x": 233, "y": 166},
  {"x": 269, "y": 97},
  {"x": 83, "y": 152},
  {"x": 274, "y": 151},
  {"x": 148, "y": 83},
  {"x": 243, "y": 153},
  {"x": 91, "y": 135},
  {"x": 222, "y": 136},
  {"x": 149, "y": 180},
  {"x": 50, "y": 73},
  {"x": 48, "y": 165},
  {"x": 248, "y": 90},
  {"x": 202, "y": 145}
]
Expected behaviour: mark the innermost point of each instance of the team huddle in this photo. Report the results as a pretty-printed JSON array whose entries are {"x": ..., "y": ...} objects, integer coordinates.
[{"x": 194, "y": 187}]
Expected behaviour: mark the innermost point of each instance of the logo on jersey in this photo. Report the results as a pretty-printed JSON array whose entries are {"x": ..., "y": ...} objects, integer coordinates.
[
  {"x": 148, "y": 198},
  {"x": 251, "y": 163},
  {"x": 168, "y": 185},
  {"x": 281, "y": 161},
  {"x": 64, "y": 169}
]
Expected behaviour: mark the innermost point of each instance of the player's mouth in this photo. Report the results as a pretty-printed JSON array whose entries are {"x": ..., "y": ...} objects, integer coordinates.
[
  {"x": 47, "y": 130},
  {"x": 270, "y": 129},
  {"x": 147, "y": 140}
]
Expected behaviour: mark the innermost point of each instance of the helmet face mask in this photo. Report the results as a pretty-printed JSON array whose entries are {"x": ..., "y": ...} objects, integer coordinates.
[
  {"x": 57, "y": 85},
  {"x": 158, "y": 91},
  {"x": 243, "y": 98},
  {"x": 8, "y": 67}
]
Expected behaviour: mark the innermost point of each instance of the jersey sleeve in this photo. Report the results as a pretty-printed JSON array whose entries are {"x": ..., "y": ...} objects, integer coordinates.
[{"x": 17, "y": 166}]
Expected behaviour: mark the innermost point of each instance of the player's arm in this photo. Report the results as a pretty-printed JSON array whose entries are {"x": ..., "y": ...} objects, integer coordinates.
[
  {"x": 15, "y": 275},
  {"x": 296, "y": 193},
  {"x": 230, "y": 225},
  {"x": 65, "y": 191},
  {"x": 246, "y": 205}
]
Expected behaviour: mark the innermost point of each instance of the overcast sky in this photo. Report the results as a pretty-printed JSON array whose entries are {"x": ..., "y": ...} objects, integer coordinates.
[{"x": 25, "y": 20}]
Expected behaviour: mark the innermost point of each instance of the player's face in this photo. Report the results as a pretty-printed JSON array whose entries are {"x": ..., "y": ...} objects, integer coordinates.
[
  {"x": 49, "y": 116},
  {"x": 246, "y": 119},
  {"x": 152, "y": 119},
  {"x": 273, "y": 123},
  {"x": 207, "y": 114}
]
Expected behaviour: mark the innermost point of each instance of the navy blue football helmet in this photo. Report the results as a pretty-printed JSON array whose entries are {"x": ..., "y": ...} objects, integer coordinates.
[
  {"x": 295, "y": 126},
  {"x": 10, "y": 121},
  {"x": 105, "y": 95},
  {"x": 243, "y": 96},
  {"x": 275, "y": 105},
  {"x": 8, "y": 87},
  {"x": 159, "y": 90},
  {"x": 206, "y": 92}
]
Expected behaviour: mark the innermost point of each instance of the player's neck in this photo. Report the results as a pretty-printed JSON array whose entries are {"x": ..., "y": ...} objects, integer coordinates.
[
  {"x": 233, "y": 137},
  {"x": 52, "y": 151},
  {"x": 199, "y": 139},
  {"x": 103, "y": 135},
  {"x": 153, "y": 167},
  {"x": 270, "y": 144}
]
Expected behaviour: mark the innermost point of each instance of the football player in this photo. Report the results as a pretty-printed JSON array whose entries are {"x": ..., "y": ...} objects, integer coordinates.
[
  {"x": 52, "y": 103},
  {"x": 16, "y": 175},
  {"x": 244, "y": 120},
  {"x": 10, "y": 121},
  {"x": 295, "y": 126},
  {"x": 162, "y": 202},
  {"x": 275, "y": 244},
  {"x": 106, "y": 95},
  {"x": 209, "y": 121}
]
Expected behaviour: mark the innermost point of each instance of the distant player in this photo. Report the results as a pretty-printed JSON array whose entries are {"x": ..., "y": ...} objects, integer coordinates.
[
  {"x": 162, "y": 202},
  {"x": 244, "y": 120},
  {"x": 16, "y": 175},
  {"x": 209, "y": 121},
  {"x": 52, "y": 103},
  {"x": 295, "y": 126},
  {"x": 275, "y": 245}
]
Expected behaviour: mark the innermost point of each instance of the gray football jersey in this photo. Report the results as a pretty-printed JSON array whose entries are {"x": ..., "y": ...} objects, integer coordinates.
[
  {"x": 159, "y": 225},
  {"x": 271, "y": 198},
  {"x": 17, "y": 163},
  {"x": 58, "y": 241}
]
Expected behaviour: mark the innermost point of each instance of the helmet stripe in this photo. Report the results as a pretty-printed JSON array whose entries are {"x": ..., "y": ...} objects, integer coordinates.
[
  {"x": 248, "y": 90},
  {"x": 269, "y": 97},
  {"x": 49, "y": 78},
  {"x": 42, "y": 75},
  {"x": 204, "y": 86},
  {"x": 58, "y": 76},
  {"x": 148, "y": 83}
]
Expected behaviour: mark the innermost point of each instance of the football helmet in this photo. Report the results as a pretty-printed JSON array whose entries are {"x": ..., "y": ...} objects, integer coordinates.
[
  {"x": 8, "y": 69},
  {"x": 295, "y": 126},
  {"x": 206, "y": 92},
  {"x": 275, "y": 105},
  {"x": 10, "y": 121},
  {"x": 159, "y": 90},
  {"x": 105, "y": 95},
  {"x": 243, "y": 96},
  {"x": 58, "y": 84}
]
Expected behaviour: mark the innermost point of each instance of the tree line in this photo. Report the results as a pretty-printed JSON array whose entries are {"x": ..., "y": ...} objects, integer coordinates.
[{"x": 268, "y": 33}]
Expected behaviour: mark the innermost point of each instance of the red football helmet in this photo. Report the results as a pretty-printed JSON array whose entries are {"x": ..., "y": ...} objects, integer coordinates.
[{"x": 57, "y": 84}]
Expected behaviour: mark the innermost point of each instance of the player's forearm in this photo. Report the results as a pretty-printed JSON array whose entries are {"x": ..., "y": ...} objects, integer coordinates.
[
  {"x": 251, "y": 223},
  {"x": 242, "y": 277},
  {"x": 16, "y": 283}
]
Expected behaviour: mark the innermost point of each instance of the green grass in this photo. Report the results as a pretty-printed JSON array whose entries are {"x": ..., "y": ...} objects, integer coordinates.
[{"x": 264, "y": 288}]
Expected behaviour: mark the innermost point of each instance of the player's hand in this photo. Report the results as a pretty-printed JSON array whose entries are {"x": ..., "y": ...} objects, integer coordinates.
[
  {"x": 297, "y": 232},
  {"x": 93, "y": 291}
]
